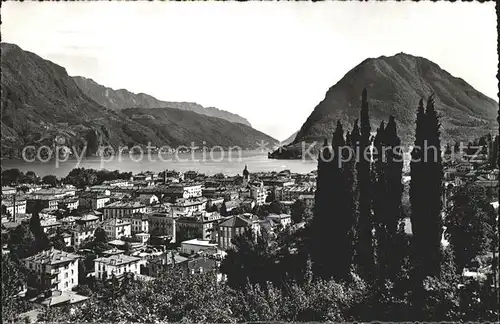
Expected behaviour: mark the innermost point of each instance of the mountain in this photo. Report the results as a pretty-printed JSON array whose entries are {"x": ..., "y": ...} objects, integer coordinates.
[
  {"x": 289, "y": 139},
  {"x": 121, "y": 99},
  {"x": 174, "y": 126},
  {"x": 395, "y": 85},
  {"x": 40, "y": 103}
]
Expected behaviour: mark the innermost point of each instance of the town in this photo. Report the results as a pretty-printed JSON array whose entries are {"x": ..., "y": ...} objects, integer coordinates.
[
  {"x": 148, "y": 222},
  {"x": 139, "y": 225}
]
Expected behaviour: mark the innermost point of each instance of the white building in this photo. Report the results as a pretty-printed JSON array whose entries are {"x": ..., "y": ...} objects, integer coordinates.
[
  {"x": 9, "y": 206},
  {"x": 118, "y": 265},
  {"x": 8, "y": 190},
  {"x": 121, "y": 209},
  {"x": 184, "y": 190},
  {"x": 117, "y": 228},
  {"x": 54, "y": 269},
  {"x": 194, "y": 246},
  {"x": 189, "y": 206},
  {"x": 117, "y": 183},
  {"x": 283, "y": 219},
  {"x": 258, "y": 193},
  {"x": 82, "y": 234}
]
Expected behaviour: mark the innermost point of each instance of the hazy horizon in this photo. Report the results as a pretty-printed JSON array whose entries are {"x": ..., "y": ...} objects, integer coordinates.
[{"x": 232, "y": 55}]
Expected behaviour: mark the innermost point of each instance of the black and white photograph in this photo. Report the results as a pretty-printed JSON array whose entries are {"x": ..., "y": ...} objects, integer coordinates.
[{"x": 249, "y": 162}]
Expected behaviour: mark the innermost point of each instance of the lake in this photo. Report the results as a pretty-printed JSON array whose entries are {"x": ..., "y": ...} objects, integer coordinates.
[{"x": 229, "y": 164}]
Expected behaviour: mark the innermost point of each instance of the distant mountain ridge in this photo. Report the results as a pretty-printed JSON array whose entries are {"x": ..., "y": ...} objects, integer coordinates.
[
  {"x": 395, "y": 84},
  {"x": 41, "y": 102},
  {"x": 289, "y": 139},
  {"x": 122, "y": 99}
]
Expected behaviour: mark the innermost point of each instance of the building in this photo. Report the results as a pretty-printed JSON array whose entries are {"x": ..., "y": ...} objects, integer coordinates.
[
  {"x": 53, "y": 269},
  {"x": 49, "y": 225},
  {"x": 100, "y": 189},
  {"x": 194, "y": 246},
  {"x": 308, "y": 200},
  {"x": 69, "y": 221},
  {"x": 117, "y": 228},
  {"x": 56, "y": 192},
  {"x": 82, "y": 234},
  {"x": 283, "y": 219},
  {"x": 189, "y": 206},
  {"x": 172, "y": 176},
  {"x": 9, "y": 206},
  {"x": 93, "y": 200},
  {"x": 117, "y": 265},
  {"x": 142, "y": 237},
  {"x": 139, "y": 222},
  {"x": 120, "y": 209},
  {"x": 183, "y": 190},
  {"x": 41, "y": 202},
  {"x": 292, "y": 193},
  {"x": 258, "y": 193},
  {"x": 190, "y": 175},
  {"x": 8, "y": 191},
  {"x": 162, "y": 224},
  {"x": 69, "y": 203},
  {"x": 233, "y": 226},
  {"x": 201, "y": 223},
  {"x": 147, "y": 199},
  {"x": 88, "y": 220},
  {"x": 142, "y": 177},
  {"x": 156, "y": 264},
  {"x": 117, "y": 183}
]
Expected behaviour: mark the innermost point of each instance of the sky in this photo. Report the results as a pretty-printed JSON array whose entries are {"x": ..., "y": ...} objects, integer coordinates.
[{"x": 270, "y": 62}]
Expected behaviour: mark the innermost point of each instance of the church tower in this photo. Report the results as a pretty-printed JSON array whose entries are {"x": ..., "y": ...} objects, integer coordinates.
[{"x": 246, "y": 176}]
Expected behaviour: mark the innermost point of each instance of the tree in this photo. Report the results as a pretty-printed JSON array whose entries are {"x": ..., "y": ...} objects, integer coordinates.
[
  {"x": 467, "y": 222},
  {"x": 42, "y": 242},
  {"x": 100, "y": 235},
  {"x": 298, "y": 209},
  {"x": 387, "y": 198},
  {"x": 12, "y": 281},
  {"x": 433, "y": 177},
  {"x": 493, "y": 152},
  {"x": 277, "y": 207},
  {"x": 57, "y": 242},
  {"x": 334, "y": 216},
  {"x": 11, "y": 176},
  {"x": 425, "y": 197},
  {"x": 364, "y": 248},
  {"x": 30, "y": 177},
  {"x": 21, "y": 242},
  {"x": 50, "y": 180}
]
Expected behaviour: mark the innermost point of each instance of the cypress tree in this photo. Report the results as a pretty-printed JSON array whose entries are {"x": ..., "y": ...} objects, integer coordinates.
[
  {"x": 433, "y": 188},
  {"x": 417, "y": 200},
  {"x": 425, "y": 199},
  {"x": 341, "y": 233},
  {"x": 364, "y": 246},
  {"x": 334, "y": 214},
  {"x": 393, "y": 174},
  {"x": 417, "y": 195},
  {"x": 318, "y": 237},
  {"x": 379, "y": 203}
]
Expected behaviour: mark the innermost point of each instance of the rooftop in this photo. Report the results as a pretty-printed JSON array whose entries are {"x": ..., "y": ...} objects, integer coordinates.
[
  {"x": 125, "y": 204},
  {"x": 199, "y": 243},
  {"x": 117, "y": 260},
  {"x": 52, "y": 257},
  {"x": 236, "y": 221}
]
